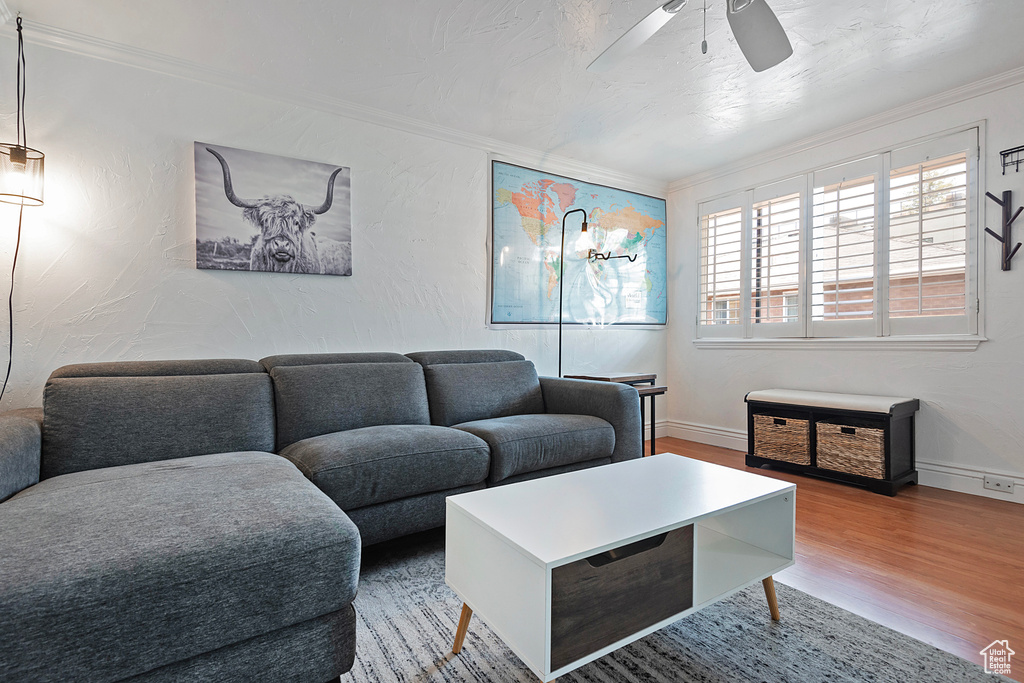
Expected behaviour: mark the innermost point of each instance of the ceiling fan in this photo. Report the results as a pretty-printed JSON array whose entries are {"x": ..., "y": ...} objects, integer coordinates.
[{"x": 757, "y": 30}]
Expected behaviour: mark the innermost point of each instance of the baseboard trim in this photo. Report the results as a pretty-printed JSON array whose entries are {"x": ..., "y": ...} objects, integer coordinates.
[
  {"x": 937, "y": 475},
  {"x": 968, "y": 480},
  {"x": 723, "y": 437}
]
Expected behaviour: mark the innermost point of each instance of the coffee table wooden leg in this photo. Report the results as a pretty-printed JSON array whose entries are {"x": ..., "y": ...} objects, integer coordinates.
[
  {"x": 773, "y": 602},
  {"x": 460, "y": 634}
]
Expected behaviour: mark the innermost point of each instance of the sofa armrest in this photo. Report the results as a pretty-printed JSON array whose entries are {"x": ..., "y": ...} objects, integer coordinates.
[
  {"x": 20, "y": 449},
  {"x": 616, "y": 403}
]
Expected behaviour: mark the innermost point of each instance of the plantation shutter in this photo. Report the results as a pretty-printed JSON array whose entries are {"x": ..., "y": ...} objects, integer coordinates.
[
  {"x": 844, "y": 212},
  {"x": 775, "y": 245},
  {"x": 720, "y": 292},
  {"x": 929, "y": 244}
]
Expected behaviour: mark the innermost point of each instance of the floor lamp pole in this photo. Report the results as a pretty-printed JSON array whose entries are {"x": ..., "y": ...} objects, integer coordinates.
[{"x": 561, "y": 278}]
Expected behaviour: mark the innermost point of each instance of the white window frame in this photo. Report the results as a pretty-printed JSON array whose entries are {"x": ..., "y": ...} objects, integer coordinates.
[
  {"x": 862, "y": 168},
  {"x": 960, "y": 332},
  {"x": 936, "y": 148}
]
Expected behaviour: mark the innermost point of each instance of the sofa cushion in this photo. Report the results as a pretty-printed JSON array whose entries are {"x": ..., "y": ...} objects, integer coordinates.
[
  {"x": 320, "y": 399},
  {"x": 426, "y": 358},
  {"x": 159, "y": 368},
  {"x": 528, "y": 443},
  {"x": 287, "y": 359},
  {"x": 93, "y": 421},
  {"x": 114, "y": 572},
  {"x": 20, "y": 438},
  {"x": 373, "y": 465},
  {"x": 463, "y": 392}
]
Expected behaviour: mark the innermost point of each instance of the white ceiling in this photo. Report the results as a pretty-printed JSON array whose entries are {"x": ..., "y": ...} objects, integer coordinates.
[{"x": 514, "y": 70}]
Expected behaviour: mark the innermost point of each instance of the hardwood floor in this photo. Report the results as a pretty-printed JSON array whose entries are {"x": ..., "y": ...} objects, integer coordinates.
[{"x": 946, "y": 568}]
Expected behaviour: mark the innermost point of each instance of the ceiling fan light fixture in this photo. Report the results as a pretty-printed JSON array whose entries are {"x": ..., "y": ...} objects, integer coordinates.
[{"x": 758, "y": 32}]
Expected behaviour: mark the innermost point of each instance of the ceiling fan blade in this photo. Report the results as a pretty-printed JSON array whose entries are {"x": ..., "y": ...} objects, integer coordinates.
[
  {"x": 636, "y": 36},
  {"x": 758, "y": 32}
]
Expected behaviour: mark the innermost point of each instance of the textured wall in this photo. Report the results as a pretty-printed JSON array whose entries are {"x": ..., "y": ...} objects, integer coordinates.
[
  {"x": 970, "y": 414},
  {"x": 107, "y": 268}
]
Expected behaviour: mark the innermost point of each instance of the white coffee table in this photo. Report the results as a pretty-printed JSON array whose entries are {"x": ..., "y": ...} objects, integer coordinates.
[{"x": 568, "y": 568}]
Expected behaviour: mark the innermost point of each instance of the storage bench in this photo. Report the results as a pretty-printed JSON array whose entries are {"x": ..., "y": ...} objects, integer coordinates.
[{"x": 864, "y": 440}]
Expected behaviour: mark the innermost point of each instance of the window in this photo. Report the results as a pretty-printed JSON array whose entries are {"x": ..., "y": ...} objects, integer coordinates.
[
  {"x": 928, "y": 238},
  {"x": 879, "y": 246},
  {"x": 720, "y": 276},
  {"x": 775, "y": 258},
  {"x": 790, "y": 310}
]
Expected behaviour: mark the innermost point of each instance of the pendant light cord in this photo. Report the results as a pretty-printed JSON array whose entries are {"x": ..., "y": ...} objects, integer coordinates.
[
  {"x": 10, "y": 308},
  {"x": 23, "y": 141},
  {"x": 22, "y": 136}
]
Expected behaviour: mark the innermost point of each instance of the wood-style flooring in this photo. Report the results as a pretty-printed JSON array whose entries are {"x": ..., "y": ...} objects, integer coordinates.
[{"x": 946, "y": 568}]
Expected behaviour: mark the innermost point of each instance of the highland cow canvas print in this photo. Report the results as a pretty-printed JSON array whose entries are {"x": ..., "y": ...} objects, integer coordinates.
[{"x": 273, "y": 214}]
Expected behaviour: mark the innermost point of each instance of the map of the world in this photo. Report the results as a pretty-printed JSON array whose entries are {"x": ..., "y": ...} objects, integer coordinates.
[{"x": 527, "y": 210}]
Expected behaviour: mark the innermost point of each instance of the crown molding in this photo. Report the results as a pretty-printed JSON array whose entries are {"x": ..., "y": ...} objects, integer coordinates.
[
  {"x": 146, "y": 60},
  {"x": 985, "y": 86}
]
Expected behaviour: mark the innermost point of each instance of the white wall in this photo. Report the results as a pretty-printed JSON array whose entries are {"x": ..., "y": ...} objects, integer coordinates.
[
  {"x": 107, "y": 266},
  {"x": 972, "y": 412}
]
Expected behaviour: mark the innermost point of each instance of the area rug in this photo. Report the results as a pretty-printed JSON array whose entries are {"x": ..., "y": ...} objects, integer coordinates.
[{"x": 407, "y": 617}]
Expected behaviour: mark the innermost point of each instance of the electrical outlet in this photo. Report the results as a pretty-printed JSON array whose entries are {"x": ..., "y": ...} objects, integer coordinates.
[{"x": 999, "y": 484}]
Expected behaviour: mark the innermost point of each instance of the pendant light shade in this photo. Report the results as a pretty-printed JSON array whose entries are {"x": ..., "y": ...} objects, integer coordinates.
[
  {"x": 21, "y": 175},
  {"x": 21, "y": 167}
]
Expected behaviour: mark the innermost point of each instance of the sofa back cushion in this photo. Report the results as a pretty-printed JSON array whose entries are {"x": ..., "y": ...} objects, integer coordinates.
[
  {"x": 322, "y": 399},
  {"x": 281, "y": 360},
  {"x": 108, "y": 414},
  {"x": 426, "y": 358},
  {"x": 464, "y": 392}
]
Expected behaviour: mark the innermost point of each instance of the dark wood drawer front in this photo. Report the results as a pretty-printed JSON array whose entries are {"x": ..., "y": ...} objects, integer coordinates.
[{"x": 604, "y": 598}]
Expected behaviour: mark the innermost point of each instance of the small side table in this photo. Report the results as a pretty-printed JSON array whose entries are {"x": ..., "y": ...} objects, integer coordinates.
[{"x": 644, "y": 383}]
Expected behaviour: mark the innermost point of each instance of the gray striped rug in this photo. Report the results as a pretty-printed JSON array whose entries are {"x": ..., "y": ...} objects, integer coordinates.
[{"x": 407, "y": 618}]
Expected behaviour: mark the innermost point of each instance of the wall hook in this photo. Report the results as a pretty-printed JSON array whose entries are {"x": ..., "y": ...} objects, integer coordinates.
[{"x": 1006, "y": 202}]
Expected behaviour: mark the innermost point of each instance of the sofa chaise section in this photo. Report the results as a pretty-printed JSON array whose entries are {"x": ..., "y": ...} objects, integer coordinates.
[
  {"x": 359, "y": 428},
  {"x": 165, "y": 541}
]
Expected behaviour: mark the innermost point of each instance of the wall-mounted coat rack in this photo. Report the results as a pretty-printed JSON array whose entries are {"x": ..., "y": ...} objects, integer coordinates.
[
  {"x": 1012, "y": 157},
  {"x": 1006, "y": 202}
]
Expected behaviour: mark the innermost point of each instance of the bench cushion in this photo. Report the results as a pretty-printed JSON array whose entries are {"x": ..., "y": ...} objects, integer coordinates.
[
  {"x": 463, "y": 392},
  {"x": 321, "y": 399},
  {"x": 114, "y": 572},
  {"x": 373, "y": 465},
  {"x": 528, "y": 443}
]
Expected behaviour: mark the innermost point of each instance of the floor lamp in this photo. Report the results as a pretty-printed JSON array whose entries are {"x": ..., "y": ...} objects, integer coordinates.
[
  {"x": 21, "y": 183},
  {"x": 561, "y": 274}
]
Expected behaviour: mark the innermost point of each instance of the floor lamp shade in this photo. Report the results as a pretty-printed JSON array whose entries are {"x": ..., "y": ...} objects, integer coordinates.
[{"x": 21, "y": 175}]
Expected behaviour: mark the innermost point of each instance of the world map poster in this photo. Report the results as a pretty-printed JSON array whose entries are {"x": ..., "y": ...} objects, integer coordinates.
[{"x": 527, "y": 207}]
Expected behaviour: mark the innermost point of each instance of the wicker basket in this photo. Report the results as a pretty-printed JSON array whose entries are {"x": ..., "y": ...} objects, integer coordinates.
[
  {"x": 782, "y": 438},
  {"x": 853, "y": 450}
]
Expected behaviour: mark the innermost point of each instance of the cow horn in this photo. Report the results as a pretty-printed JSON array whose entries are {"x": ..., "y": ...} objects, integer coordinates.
[
  {"x": 330, "y": 194},
  {"x": 228, "y": 190}
]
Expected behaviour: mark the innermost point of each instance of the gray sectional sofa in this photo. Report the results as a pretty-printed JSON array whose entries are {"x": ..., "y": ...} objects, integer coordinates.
[{"x": 202, "y": 520}]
